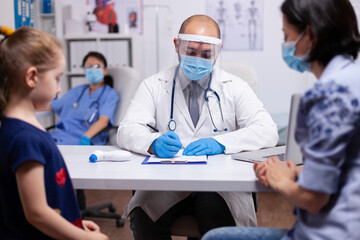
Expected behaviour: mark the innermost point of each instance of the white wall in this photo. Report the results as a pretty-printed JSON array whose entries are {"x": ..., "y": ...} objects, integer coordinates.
[
  {"x": 276, "y": 81},
  {"x": 7, "y": 13}
]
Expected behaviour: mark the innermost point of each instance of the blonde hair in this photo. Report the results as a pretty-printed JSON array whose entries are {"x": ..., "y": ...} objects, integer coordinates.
[{"x": 24, "y": 48}]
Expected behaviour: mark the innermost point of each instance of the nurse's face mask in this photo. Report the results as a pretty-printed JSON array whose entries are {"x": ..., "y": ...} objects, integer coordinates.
[
  {"x": 197, "y": 54},
  {"x": 94, "y": 73},
  {"x": 294, "y": 62}
]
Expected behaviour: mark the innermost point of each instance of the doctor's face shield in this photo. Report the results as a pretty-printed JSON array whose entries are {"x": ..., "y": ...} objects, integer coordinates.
[{"x": 197, "y": 54}]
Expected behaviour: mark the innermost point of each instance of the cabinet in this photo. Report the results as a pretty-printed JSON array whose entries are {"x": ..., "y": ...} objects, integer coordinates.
[
  {"x": 117, "y": 49},
  {"x": 49, "y": 20},
  {"x": 47, "y": 23}
]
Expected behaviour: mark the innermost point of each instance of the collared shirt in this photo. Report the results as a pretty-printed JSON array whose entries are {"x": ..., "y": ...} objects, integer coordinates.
[
  {"x": 328, "y": 133},
  {"x": 185, "y": 82}
]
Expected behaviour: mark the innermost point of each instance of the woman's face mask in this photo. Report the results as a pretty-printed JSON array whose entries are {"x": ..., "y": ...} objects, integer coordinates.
[
  {"x": 294, "y": 62},
  {"x": 195, "y": 68},
  {"x": 94, "y": 75}
]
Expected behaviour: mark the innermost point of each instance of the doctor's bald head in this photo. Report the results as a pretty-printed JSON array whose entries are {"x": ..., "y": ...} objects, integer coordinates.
[{"x": 200, "y": 25}]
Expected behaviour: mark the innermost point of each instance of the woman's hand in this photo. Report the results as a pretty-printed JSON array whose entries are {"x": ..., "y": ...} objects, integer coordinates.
[
  {"x": 279, "y": 174},
  {"x": 95, "y": 236},
  {"x": 260, "y": 172},
  {"x": 93, "y": 231}
]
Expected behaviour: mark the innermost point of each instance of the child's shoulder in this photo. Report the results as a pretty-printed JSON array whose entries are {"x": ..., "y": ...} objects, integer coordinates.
[
  {"x": 23, "y": 141},
  {"x": 22, "y": 132}
]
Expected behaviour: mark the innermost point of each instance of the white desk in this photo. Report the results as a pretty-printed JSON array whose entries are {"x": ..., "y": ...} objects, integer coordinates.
[{"x": 221, "y": 173}]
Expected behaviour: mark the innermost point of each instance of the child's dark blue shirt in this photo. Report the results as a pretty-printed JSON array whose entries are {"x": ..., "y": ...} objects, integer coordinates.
[{"x": 21, "y": 142}]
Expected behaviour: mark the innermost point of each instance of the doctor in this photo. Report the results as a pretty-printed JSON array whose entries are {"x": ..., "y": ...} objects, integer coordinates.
[{"x": 205, "y": 109}]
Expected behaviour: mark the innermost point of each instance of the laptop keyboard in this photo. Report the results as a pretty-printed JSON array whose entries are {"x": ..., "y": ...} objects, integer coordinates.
[{"x": 280, "y": 156}]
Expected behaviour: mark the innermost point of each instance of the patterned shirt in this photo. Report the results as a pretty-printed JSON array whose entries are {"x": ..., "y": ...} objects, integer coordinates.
[{"x": 328, "y": 133}]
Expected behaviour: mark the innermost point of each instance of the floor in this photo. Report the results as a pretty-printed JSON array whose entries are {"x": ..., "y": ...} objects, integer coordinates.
[{"x": 273, "y": 211}]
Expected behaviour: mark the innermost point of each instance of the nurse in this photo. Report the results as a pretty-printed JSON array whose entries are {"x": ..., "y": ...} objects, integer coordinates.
[
  {"x": 183, "y": 104},
  {"x": 87, "y": 109},
  {"x": 321, "y": 37}
]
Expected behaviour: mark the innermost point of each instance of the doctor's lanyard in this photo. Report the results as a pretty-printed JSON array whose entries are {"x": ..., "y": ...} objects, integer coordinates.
[
  {"x": 76, "y": 104},
  {"x": 172, "y": 123}
]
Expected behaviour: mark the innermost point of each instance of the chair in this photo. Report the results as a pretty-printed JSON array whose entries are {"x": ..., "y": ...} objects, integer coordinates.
[
  {"x": 186, "y": 224},
  {"x": 96, "y": 210},
  {"x": 125, "y": 83},
  {"x": 244, "y": 71}
]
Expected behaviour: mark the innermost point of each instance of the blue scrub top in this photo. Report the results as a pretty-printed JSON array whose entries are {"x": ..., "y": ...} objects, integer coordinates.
[
  {"x": 74, "y": 122},
  {"x": 328, "y": 132}
]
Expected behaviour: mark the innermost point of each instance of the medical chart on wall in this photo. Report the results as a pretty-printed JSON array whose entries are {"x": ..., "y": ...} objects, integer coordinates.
[
  {"x": 116, "y": 16},
  {"x": 24, "y": 13},
  {"x": 240, "y": 22}
]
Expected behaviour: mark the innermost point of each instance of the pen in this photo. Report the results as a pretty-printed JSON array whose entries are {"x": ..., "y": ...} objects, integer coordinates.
[
  {"x": 156, "y": 130},
  {"x": 152, "y": 127}
]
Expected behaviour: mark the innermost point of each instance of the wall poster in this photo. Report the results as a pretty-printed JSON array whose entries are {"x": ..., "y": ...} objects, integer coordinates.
[
  {"x": 24, "y": 13},
  {"x": 116, "y": 16},
  {"x": 240, "y": 22}
]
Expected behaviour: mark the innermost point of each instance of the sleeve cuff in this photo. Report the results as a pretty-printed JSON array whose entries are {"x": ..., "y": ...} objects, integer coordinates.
[{"x": 319, "y": 177}]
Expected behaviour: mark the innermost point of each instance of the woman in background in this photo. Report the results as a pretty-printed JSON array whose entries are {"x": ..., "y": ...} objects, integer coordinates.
[
  {"x": 321, "y": 37},
  {"x": 87, "y": 109}
]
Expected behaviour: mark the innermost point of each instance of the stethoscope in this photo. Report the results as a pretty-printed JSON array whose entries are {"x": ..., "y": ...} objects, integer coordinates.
[
  {"x": 95, "y": 103},
  {"x": 172, "y": 123}
]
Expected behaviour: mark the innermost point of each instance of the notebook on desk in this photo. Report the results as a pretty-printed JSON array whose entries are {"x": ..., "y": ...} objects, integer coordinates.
[{"x": 290, "y": 151}]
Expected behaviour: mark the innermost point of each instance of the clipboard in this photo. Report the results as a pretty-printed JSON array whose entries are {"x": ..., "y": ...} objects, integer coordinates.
[{"x": 173, "y": 161}]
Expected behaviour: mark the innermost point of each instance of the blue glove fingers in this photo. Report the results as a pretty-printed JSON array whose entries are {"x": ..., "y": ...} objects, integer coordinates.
[
  {"x": 204, "y": 146},
  {"x": 166, "y": 145},
  {"x": 218, "y": 148},
  {"x": 172, "y": 135},
  {"x": 171, "y": 148},
  {"x": 84, "y": 140},
  {"x": 201, "y": 150},
  {"x": 173, "y": 139},
  {"x": 205, "y": 151},
  {"x": 214, "y": 147},
  {"x": 193, "y": 147},
  {"x": 171, "y": 142},
  {"x": 163, "y": 153}
]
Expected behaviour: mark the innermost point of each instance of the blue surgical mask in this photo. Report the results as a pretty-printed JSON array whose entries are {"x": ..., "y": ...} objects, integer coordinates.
[
  {"x": 294, "y": 62},
  {"x": 94, "y": 75},
  {"x": 195, "y": 68}
]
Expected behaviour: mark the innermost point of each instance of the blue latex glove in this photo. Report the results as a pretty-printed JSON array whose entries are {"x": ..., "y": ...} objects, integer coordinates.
[
  {"x": 84, "y": 140},
  {"x": 167, "y": 145},
  {"x": 204, "y": 146}
]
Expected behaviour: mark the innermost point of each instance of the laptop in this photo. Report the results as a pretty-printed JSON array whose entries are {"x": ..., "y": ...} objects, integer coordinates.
[{"x": 290, "y": 151}]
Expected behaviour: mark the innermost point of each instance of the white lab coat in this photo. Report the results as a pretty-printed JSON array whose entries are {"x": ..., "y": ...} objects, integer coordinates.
[{"x": 249, "y": 125}]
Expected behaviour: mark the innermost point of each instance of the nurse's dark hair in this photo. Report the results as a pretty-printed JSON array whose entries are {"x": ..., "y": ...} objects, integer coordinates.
[
  {"x": 107, "y": 79},
  {"x": 22, "y": 49},
  {"x": 333, "y": 23}
]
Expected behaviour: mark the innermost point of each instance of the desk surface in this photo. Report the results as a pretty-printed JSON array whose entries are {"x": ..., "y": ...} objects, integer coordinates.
[{"x": 221, "y": 173}]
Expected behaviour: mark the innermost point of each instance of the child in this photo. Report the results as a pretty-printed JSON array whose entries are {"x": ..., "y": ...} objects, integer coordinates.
[{"x": 37, "y": 199}]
